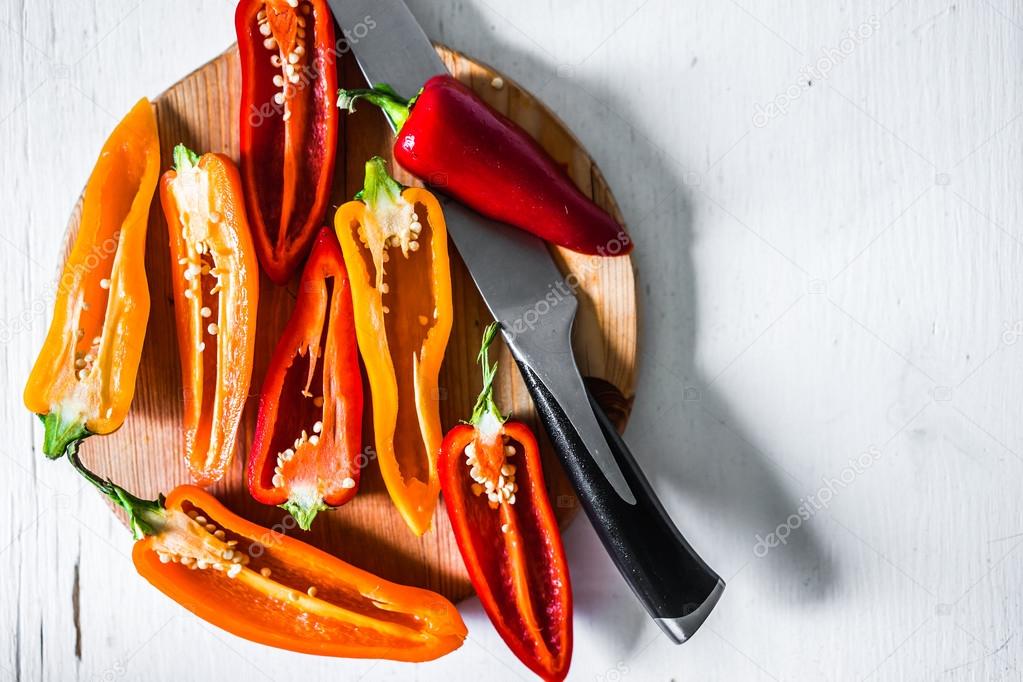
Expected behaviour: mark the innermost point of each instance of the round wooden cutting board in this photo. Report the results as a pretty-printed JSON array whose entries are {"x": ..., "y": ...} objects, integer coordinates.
[{"x": 145, "y": 455}]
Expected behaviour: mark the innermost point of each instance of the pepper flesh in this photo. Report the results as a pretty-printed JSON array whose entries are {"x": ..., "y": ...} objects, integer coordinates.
[
  {"x": 84, "y": 378},
  {"x": 288, "y": 467},
  {"x": 216, "y": 293},
  {"x": 396, "y": 250},
  {"x": 288, "y": 129},
  {"x": 507, "y": 533},
  {"x": 449, "y": 137}
]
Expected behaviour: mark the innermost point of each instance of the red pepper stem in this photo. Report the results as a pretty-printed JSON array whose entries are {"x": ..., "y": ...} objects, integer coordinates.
[
  {"x": 144, "y": 516},
  {"x": 485, "y": 405},
  {"x": 395, "y": 107}
]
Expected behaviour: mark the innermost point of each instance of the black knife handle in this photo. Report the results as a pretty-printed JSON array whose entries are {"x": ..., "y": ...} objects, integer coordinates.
[{"x": 675, "y": 585}]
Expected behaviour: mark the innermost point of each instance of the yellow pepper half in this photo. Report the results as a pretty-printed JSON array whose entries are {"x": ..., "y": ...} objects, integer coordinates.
[{"x": 395, "y": 246}]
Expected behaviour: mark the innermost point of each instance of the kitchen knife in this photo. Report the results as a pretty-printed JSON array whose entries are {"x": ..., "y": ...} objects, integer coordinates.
[{"x": 536, "y": 306}]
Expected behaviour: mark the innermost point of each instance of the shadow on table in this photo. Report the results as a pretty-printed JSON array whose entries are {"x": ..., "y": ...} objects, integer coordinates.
[{"x": 691, "y": 444}]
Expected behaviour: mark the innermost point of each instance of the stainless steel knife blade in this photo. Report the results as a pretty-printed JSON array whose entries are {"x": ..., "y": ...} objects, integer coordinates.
[{"x": 393, "y": 48}]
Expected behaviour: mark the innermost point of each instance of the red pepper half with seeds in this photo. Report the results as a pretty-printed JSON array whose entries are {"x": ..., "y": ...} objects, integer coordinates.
[
  {"x": 305, "y": 452},
  {"x": 453, "y": 140},
  {"x": 495, "y": 496},
  {"x": 288, "y": 128}
]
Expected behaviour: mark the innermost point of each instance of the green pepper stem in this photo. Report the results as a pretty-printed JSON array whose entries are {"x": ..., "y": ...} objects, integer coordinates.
[
  {"x": 59, "y": 436},
  {"x": 184, "y": 157},
  {"x": 303, "y": 513},
  {"x": 395, "y": 107},
  {"x": 485, "y": 404},
  {"x": 144, "y": 516},
  {"x": 379, "y": 186}
]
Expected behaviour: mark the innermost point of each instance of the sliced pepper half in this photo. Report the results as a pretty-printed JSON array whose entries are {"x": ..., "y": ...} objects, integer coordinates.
[
  {"x": 84, "y": 378},
  {"x": 506, "y": 531},
  {"x": 396, "y": 249},
  {"x": 288, "y": 130},
  {"x": 305, "y": 454},
  {"x": 268, "y": 588},
  {"x": 216, "y": 293}
]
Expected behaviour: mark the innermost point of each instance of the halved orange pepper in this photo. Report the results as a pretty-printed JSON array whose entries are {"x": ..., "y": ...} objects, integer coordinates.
[
  {"x": 216, "y": 292},
  {"x": 84, "y": 378},
  {"x": 396, "y": 250},
  {"x": 261, "y": 585}
]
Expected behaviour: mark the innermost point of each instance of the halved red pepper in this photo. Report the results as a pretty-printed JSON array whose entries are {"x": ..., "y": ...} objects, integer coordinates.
[
  {"x": 216, "y": 293},
  {"x": 507, "y": 532},
  {"x": 288, "y": 130},
  {"x": 271, "y": 589},
  {"x": 305, "y": 452},
  {"x": 454, "y": 141}
]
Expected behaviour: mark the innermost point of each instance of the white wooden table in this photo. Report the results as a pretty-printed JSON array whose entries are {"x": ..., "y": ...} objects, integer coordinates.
[{"x": 830, "y": 258}]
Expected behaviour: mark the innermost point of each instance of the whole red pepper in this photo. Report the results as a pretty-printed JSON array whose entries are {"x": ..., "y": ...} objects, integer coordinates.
[
  {"x": 288, "y": 130},
  {"x": 308, "y": 433},
  {"x": 496, "y": 499},
  {"x": 456, "y": 142}
]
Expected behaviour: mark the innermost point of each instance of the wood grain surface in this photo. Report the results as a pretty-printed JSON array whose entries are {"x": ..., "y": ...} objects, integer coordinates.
[{"x": 145, "y": 455}]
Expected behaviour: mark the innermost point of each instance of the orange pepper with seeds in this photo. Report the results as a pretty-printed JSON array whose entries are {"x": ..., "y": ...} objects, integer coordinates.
[
  {"x": 395, "y": 246},
  {"x": 216, "y": 293},
  {"x": 268, "y": 588},
  {"x": 83, "y": 381}
]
